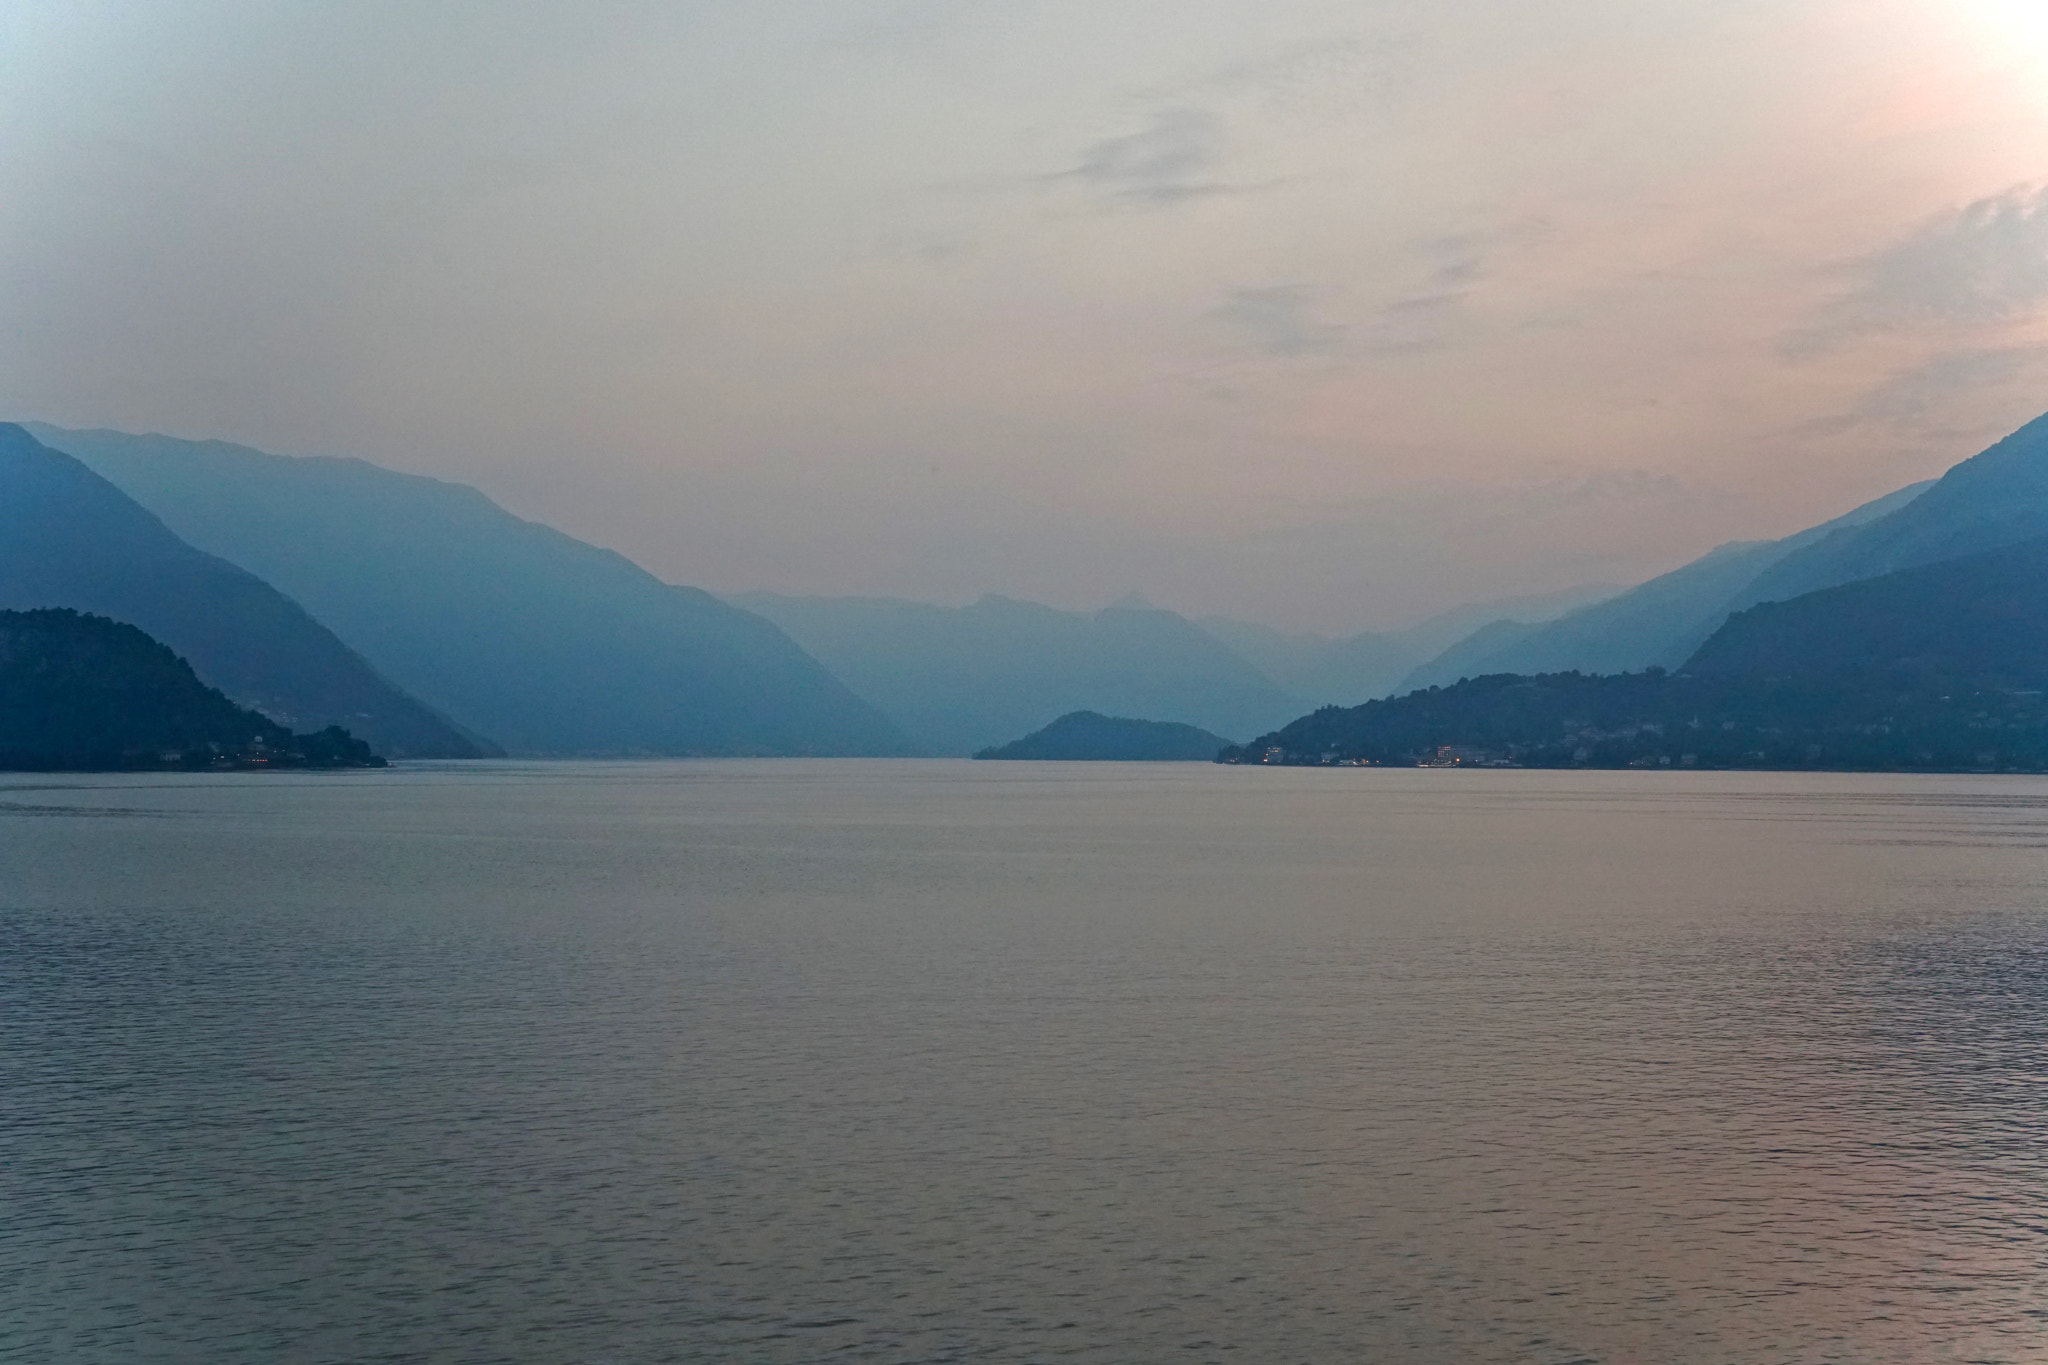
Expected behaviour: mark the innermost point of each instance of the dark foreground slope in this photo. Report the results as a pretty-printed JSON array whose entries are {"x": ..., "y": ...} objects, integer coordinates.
[
  {"x": 959, "y": 679},
  {"x": 545, "y": 643},
  {"x": 69, "y": 538},
  {"x": 81, "y": 692},
  {"x": 1085, "y": 736}
]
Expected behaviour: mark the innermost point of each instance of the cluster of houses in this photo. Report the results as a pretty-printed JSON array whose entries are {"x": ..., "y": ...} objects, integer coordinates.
[{"x": 1445, "y": 756}]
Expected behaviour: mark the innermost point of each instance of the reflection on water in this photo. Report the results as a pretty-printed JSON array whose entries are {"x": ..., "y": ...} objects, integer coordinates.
[{"x": 945, "y": 1061}]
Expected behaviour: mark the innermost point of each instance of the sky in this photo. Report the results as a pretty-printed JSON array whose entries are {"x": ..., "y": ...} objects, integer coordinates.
[{"x": 1326, "y": 313}]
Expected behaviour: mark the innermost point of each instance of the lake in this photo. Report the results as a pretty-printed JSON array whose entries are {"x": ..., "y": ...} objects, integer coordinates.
[{"x": 943, "y": 1061}]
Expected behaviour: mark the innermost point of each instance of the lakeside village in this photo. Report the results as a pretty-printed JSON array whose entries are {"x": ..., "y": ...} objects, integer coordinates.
[
  {"x": 1444, "y": 756},
  {"x": 333, "y": 747}
]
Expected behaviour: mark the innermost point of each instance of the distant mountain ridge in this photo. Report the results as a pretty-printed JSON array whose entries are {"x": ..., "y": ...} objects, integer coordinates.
[
  {"x": 1934, "y": 655},
  {"x": 69, "y": 538},
  {"x": 1343, "y": 671},
  {"x": 1981, "y": 620},
  {"x": 1657, "y": 623},
  {"x": 960, "y": 679},
  {"x": 254, "y": 562},
  {"x": 1942, "y": 666},
  {"x": 545, "y": 643},
  {"x": 1993, "y": 499}
]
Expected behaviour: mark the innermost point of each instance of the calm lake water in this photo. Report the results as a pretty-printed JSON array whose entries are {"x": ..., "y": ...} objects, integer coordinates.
[{"x": 1017, "y": 1062}]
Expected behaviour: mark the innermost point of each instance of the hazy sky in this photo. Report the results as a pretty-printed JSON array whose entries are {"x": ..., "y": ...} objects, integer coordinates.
[{"x": 1324, "y": 312}]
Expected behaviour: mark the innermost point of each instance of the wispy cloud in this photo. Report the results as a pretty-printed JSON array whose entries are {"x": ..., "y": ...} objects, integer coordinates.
[
  {"x": 1335, "y": 73},
  {"x": 1278, "y": 320},
  {"x": 1171, "y": 161},
  {"x": 1418, "y": 520},
  {"x": 1980, "y": 265},
  {"x": 1456, "y": 260},
  {"x": 897, "y": 24},
  {"x": 1435, "y": 312},
  {"x": 1915, "y": 393},
  {"x": 1283, "y": 320},
  {"x": 1940, "y": 395}
]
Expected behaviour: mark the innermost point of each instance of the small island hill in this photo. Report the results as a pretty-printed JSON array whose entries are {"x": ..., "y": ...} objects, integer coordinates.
[{"x": 1087, "y": 736}]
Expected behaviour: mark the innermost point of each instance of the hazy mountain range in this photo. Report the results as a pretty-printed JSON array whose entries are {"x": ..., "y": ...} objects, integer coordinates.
[
  {"x": 69, "y": 538},
  {"x": 1339, "y": 671},
  {"x": 428, "y": 620},
  {"x": 959, "y": 679},
  {"x": 542, "y": 643},
  {"x": 1658, "y": 623},
  {"x": 1912, "y": 633},
  {"x": 1993, "y": 499},
  {"x": 1997, "y": 498}
]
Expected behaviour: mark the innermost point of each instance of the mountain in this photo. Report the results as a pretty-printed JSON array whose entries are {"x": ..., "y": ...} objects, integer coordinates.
[
  {"x": 81, "y": 692},
  {"x": 1658, "y": 623},
  {"x": 1349, "y": 669},
  {"x": 1997, "y": 498},
  {"x": 1940, "y": 666},
  {"x": 1468, "y": 657},
  {"x": 69, "y": 538},
  {"x": 1086, "y": 736},
  {"x": 959, "y": 679},
  {"x": 1979, "y": 621},
  {"x": 1319, "y": 669},
  {"x": 545, "y": 643}
]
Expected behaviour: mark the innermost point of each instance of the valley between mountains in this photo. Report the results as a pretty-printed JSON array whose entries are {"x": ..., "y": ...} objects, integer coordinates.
[{"x": 427, "y": 622}]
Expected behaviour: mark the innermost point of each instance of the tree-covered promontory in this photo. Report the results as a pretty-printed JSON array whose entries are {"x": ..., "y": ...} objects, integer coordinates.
[
  {"x": 84, "y": 693},
  {"x": 1655, "y": 719},
  {"x": 1085, "y": 736}
]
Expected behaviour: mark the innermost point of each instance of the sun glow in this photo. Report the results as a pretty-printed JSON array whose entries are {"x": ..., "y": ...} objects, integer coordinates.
[
  {"x": 2018, "y": 29},
  {"x": 2007, "y": 46}
]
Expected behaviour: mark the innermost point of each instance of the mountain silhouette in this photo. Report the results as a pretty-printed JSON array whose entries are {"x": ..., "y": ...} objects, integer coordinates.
[
  {"x": 1941, "y": 666},
  {"x": 545, "y": 643},
  {"x": 69, "y": 538},
  {"x": 1997, "y": 498},
  {"x": 1654, "y": 624}
]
